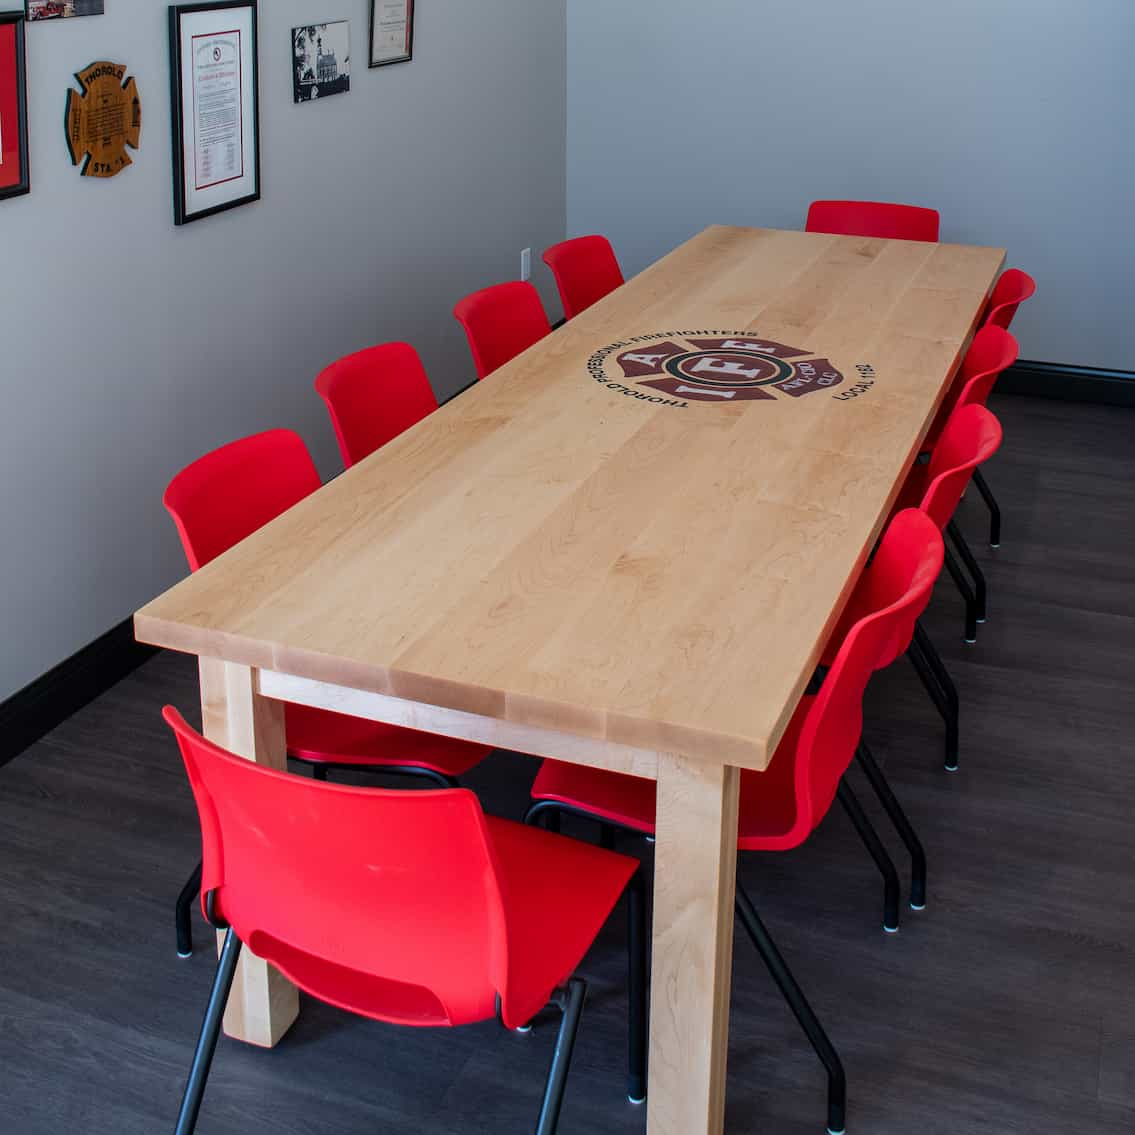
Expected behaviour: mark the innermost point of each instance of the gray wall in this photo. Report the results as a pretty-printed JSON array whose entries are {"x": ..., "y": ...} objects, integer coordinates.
[
  {"x": 1013, "y": 117},
  {"x": 128, "y": 347}
]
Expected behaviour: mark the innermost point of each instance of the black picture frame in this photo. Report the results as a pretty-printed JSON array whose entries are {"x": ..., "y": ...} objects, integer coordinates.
[
  {"x": 183, "y": 211},
  {"x": 17, "y": 189},
  {"x": 410, "y": 6}
]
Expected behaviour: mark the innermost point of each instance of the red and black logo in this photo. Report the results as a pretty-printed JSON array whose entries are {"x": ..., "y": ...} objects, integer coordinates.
[{"x": 712, "y": 366}]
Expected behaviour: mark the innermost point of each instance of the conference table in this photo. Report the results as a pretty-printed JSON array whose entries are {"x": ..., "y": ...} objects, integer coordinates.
[{"x": 623, "y": 549}]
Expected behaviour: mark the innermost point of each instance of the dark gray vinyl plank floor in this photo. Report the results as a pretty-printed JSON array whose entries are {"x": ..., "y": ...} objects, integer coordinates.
[{"x": 1007, "y": 1006}]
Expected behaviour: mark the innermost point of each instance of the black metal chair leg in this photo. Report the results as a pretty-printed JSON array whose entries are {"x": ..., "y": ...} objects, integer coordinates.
[
  {"x": 902, "y": 825},
  {"x": 878, "y": 852},
  {"x": 636, "y": 989},
  {"x": 963, "y": 586},
  {"x": 798, "y": 1003},
  {"x": 930, "y": 653},
  {"x": 942, "y": 703},
  {"x": 183, "y": 912},
  {"x": 545, "y": 812},
  {"x": 570, "y": 1001},
  {"x": 210, "y": 1030},
  {"x": 318, "y": 772},
  {"x": 974, "y": 569},
  {"x": 994, "y": 508},
  {"x": 607, "y": 837}
]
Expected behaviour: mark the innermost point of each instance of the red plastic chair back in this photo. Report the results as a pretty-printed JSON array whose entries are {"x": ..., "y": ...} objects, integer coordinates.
[
  {"x": 228, "y": 494},
  {"x": 373, "y": 395},
  {"x": 873, "y": 218},
  {"x": 972, "y": 436},
  {"x": 905, "y": 569},
  {"x": 501, "y": 322},
  {"x": 586, "y": 269},
  {"x": 906, "y": 563},
  {"x": 382, "y": 902},
  {"x": 992, "y": 351},
  {"x": 1011, "y": 290}
]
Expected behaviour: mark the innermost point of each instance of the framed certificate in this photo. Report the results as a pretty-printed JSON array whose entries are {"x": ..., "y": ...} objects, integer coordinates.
[
  {"x": 216, "y": 107},
  {"x": 13, "y": 107},
  {"x": 391, "y": 32}
]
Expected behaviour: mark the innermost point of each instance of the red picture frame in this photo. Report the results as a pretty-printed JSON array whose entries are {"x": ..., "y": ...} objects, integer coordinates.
[{"x": 13, "y": 107}]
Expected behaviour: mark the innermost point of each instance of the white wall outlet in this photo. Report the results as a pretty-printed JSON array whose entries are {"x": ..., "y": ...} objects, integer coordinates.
[{"x": 526, "y": 264}]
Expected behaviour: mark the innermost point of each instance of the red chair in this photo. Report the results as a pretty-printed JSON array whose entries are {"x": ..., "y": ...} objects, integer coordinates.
[
  {"x": 216, "y": 502},
  {"x": 413, "y": 908},
  {"x": 374, "y": 395},
  {"x": 500, "y": 322},
  {"x": 991, "y": 353},
  {"x": 781, "y": 807},
  {"x": 972, "y": 436},
  {"x": 1012, "y": 289},
  {"x": 586, "y": 269},
  {"x": 873, "y": 218}
]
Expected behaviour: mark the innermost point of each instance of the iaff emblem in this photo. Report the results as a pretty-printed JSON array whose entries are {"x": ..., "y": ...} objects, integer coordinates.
[
  {"x": 716, "y": 366},
  {"x": 103, "y": 120}
]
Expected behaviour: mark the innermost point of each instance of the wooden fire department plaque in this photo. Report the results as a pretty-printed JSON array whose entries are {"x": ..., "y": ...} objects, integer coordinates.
[{"x": 103, "y": 120}]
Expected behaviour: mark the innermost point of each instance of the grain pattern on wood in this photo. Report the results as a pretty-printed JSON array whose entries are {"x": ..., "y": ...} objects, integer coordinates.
[
  {"x": 263, "y": 1004},
  {"x": 694, "y": 886},
  {"x": 551, "y": 552}
]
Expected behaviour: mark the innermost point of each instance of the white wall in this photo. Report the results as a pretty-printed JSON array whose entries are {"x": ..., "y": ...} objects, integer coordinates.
[
  {"x": 129, "y": 347},
  {"x": 1013, "y": 117}
]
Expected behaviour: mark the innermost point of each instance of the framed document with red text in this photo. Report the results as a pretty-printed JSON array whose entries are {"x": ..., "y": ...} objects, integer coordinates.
[
  {"x": 13, "y": 107},
  {"x": 391, "y": 32},
  {"x": 216, "y": 107}
]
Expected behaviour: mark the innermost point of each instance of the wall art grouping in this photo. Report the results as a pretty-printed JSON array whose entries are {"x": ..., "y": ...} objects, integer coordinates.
[{"x": 215, "y": 91}]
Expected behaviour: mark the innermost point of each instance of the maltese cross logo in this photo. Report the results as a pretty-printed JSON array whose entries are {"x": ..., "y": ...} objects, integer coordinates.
[{"x": 736, "y": 367}]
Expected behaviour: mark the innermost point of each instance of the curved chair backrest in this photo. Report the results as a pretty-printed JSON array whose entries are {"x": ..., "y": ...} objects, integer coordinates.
[
  {"x": 586, "y": 269},
  {"x": 912, "y": 559},
  {"x": 873, "y": 218},
  {"x": 373, "y": 395},
  {"x": 501, "y": 322},
  {"x": 992, "y": 351},
  {"x": 972, "y": 435},
  {"x": 1011, "y": 290},
  {"x": 907, "y": 562},
  {"x": 383, "y": 902},
  {"x": 231, "y": 492}
]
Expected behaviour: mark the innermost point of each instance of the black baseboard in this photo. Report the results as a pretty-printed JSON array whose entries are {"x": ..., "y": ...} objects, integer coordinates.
[
  {"x": 43, "y": 704},
  {"x": 1069, "y": 383}
]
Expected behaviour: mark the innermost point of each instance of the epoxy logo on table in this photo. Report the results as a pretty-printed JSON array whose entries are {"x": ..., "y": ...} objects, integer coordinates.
[{"x": 677, "y": 367}]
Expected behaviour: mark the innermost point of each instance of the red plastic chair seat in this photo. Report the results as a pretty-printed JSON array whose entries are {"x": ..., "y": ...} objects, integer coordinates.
[
  {"x": 767, "y": 814},
  {"x": 323, "y": 737}
]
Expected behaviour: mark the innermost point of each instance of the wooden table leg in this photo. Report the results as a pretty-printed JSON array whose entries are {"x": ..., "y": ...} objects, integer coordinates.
[
  {"x": 263, "y": 1003},
  {"x": 694, "y": 881}
]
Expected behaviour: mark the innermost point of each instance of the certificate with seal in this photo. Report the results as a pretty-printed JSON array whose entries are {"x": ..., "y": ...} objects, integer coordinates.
[
  {"x": 216, "y": 146},
  {"x": 391, "y": 31}
]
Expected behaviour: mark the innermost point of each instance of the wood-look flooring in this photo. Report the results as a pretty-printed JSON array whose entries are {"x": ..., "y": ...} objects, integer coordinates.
[{"x": 1008, "y": 1006}]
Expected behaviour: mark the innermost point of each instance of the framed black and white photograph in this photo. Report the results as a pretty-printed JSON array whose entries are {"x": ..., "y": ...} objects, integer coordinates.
[
  {"x": 63, "y": 9},
  {"x": 216, "y": 107},
  {"x": 321, "y": 60},
  {"x": 14, "y": 179},
  {"x": 391, "y": 32}
]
